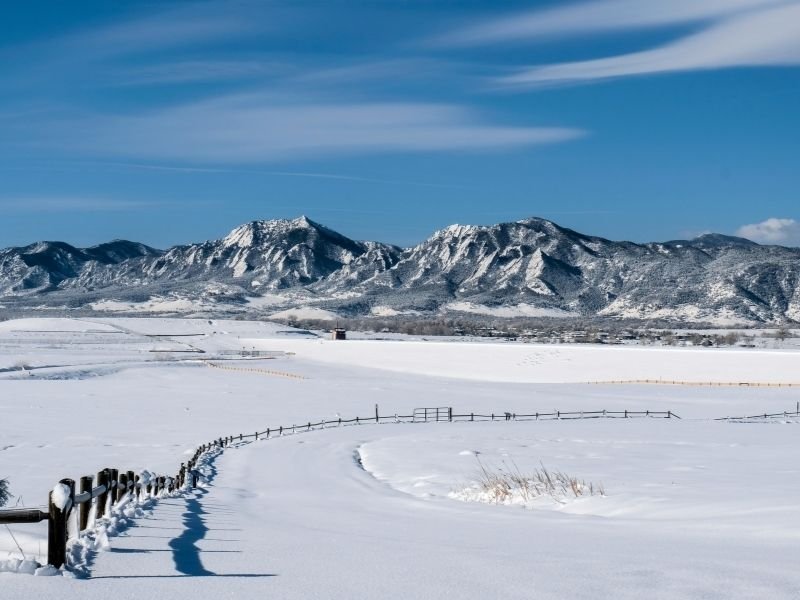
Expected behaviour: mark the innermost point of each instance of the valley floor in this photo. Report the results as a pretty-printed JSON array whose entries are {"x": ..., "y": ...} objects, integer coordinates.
[{"x": 693, "y": 507}]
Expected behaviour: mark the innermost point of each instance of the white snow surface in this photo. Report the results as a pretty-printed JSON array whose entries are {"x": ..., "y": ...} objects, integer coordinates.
[
  {"x": 694, "y": 508},
  {"x": 305, "y": 312},
  {"x": 153, "y": 305},
  {"x": 53, "y": 325},
  {"x": 516, "y": 310},
  {"x": 541, "y": 363}
]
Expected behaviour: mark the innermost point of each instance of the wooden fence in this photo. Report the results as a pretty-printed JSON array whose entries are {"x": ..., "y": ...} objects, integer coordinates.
[
  {"x": 766, "y": 416},
  {"x": 110, "y": 486},
  {"x": 693, "y": 383},
  {"x": 256, "y": 371}
]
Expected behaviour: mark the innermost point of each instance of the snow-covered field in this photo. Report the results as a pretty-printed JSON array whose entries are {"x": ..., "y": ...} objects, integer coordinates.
[{"x": 693, "y": 508}]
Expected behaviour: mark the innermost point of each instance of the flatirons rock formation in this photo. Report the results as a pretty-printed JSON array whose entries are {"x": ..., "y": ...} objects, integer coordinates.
[{"x": 529, "y": 267}]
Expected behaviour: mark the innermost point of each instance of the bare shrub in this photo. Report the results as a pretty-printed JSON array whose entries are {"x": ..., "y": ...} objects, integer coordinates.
[{"x": 508, "y": 484}]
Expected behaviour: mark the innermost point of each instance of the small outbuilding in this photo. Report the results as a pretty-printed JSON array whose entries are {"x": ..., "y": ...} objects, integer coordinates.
[{"x": 338, "y": 334}]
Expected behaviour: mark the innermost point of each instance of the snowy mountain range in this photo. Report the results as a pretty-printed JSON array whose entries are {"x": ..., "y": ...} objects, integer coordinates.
[{"x": 531, "y": 267}]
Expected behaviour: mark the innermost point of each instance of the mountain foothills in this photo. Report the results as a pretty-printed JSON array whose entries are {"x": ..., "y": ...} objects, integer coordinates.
[{"x": 531, "y": 268}]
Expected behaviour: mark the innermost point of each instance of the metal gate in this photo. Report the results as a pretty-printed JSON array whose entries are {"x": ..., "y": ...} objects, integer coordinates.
[{"x": 439, "y": 413}]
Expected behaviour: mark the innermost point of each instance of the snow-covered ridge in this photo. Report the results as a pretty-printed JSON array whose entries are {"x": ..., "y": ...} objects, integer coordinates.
[{"x": 532, "y": 263}]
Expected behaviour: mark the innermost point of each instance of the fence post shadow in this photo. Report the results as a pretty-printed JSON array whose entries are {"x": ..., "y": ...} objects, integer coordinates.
[{"x": 185, "y": 552}]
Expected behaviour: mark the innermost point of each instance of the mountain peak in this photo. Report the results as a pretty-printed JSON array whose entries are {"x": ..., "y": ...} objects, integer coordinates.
[
  {"x": 535, "y": 221},
  {"x": 719, "y": 239},
  {"x": 48, "y": 246},
  {"x": 304, "y": 221},
  {"x": 456, "y": 230},
  {"x": 256, "y": 232},
  {"x": 532, "y": 262}
]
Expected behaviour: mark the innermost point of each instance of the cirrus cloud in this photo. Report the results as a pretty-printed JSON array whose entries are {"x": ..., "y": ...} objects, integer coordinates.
[
  {"x": 597, "y": 17},
  {"x": 256, "y": 128},
  {"x": 761, "y": 38}
]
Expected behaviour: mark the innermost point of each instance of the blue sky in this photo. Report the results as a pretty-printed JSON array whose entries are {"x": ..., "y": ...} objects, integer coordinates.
[{"x": 169, "y": 122}]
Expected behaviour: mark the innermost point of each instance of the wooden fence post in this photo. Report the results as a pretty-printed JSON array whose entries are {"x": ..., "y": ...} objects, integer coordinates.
[
  {"x": 114, "y": 474},
  {"x": 86, "y": 486},
  {"x": 131, "y": 482},
  {"x": 377, "y": 418},
  {"x": 103, "y": 478},
  {"x": 450, "y": 414},
  {"x": 57, "y": 527},
  {"x": 122, "y": 486}
]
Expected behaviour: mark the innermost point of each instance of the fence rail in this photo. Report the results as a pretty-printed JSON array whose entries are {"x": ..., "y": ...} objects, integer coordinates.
[
  {"x": 693, "y": 383},
  {"x": 113, "y": 485},
  {"x": 110, "y": 486},
  {"x": 763, "y": 417},
  {"x": 22, "y": 515},
  {"x": 256, "y": 371}
]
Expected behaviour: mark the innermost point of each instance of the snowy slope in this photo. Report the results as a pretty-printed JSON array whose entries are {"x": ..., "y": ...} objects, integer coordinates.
[{"x": 531, "y": 267}]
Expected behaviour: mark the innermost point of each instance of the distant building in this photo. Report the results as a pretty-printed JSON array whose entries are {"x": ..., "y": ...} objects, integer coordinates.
[{"x": 338, "y": 334}]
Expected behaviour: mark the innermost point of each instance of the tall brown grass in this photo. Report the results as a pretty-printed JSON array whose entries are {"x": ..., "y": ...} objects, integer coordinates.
[{"x": 502, "y": 484}]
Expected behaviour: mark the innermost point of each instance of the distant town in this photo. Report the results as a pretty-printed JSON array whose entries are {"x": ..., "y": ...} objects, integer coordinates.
[{"x": 555, "y": 332}]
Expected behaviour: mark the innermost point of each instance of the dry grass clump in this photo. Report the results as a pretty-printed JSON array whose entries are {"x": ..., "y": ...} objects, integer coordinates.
[{"x": 505, "y": 485}]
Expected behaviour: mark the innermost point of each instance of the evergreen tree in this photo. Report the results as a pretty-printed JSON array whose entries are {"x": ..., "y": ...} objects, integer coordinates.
[{"x": 5, "y": 494}]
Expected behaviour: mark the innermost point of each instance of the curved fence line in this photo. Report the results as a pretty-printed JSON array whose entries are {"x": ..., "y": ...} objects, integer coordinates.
[
  {"x": 99, "y": 494},
  {"x": 256, "y": 371},
  {"x": 692, "y": 383}
]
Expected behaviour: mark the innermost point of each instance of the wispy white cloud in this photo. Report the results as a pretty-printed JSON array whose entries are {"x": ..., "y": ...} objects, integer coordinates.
[
  {"x": 35, "y": 204},
  {"x": 784, "y": 232},
  {"x": 188, "y": 24},
  {"x": 300, "y": 174},
  {"x": 196, "y": 71},
  {"x": 764, "y": 38},
  {"x": 258, "y": 128},
  {"x": 395, "y": 70},
  {"x": 137, "y": 47},
  {"x": 597, "y": 17}
]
